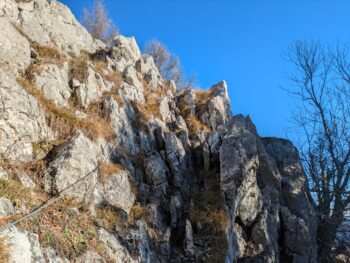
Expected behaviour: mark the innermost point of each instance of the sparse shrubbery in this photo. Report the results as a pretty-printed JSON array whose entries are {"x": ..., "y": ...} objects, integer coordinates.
[
  {"x": 64, "y": 121},
  {"x": 65, "y": 226}
]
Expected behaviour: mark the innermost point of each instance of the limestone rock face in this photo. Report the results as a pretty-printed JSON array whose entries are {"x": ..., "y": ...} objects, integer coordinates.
[
  {"x": 70, "y": 166},
  {"x": 19, "y": 58},
  {"x": 169, "y": 176},
  {"x": 23, "y": 246},
  {"x": 50, "y": 22},
  {"x": 116, "y": 191},
  {"x": 53, "y": 81},
  {"x": 125, "y": 52},
  {"x": 22, "y": 121}
]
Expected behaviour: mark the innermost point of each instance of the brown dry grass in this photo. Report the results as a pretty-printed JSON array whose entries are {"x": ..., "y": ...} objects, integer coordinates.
[
  {"x": 108, "y": 169},
  {"x": 202, "y": 99},
  {"x": 46, "y": 54},
  {"x": 79, "y": 68},
  {"x": 101, "y": 67},
  {"x": 138, "y": 212},
  {"x": 207, "y": 209},
  {"x": 195, "y": 126},
  {"x": 59, "y": 227},
  {"x": 13, "y": 190},
  {"x": 4, "y": 251},
  {"x": 64, "y": 121},
  {"x": 213, "y": 220},
  {"x": 112, "y": 217},
  {"x": 151, "y": 107}
]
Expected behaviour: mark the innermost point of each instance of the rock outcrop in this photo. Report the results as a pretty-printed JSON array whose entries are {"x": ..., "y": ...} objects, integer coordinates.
[{"x": 140, "y": 172}]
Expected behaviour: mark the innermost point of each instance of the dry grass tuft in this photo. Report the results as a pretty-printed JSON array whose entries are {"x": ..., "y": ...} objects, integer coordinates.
[
  {"x": 101, "y": 67},
  {"x": 195, "y": 126},
  {"x": 66, "y": 227},
  {"x": 207, "y": 209},
  {"x": 112, "y": 218},
  {"x": 138, "y": 212},
  {"x": 79, "y": 68},
  {"x": 202, "y": 99},
  {"x": 213, "y": 220},
  {"x": 13, "y": 190},
  {"x": 4, "y": 251},
  {"x": 46, "y": 54},
  {"x": 64, "y": 121},
  {"x": 150, "y": 108},
  {"x": 108, "y": 169}
]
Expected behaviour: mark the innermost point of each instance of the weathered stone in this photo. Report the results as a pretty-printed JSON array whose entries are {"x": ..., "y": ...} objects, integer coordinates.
[
  {"x": 23, "y": 246},
  {"x": 50, "y": 22},
  {"x": 51, "y": 256},
  {"x": 130, "y": 76},
  {"x": 113, "y": 248},
  {"x": 71, "y": 167},
  {"x": 22, "y": 121},
  {"x": 90, "y": 257},
  {"x": 25, "y": 180},
  {"x": 53, "y": 81},
  {"x": 125, "y": 52},
  {"x": 92, "y": 89},
  {"x": 116, "y": 191},
  {"x": 164, "y": 108},
  {"x": 14, "y": 55},
  {"x": 6, "y": 207}
]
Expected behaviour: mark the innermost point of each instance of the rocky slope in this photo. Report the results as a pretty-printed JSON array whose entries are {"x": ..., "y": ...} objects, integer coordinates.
[{"x": 145, "y": 173}]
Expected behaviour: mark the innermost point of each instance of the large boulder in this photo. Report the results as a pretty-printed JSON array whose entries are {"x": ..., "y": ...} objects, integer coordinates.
[
  {"x": 116, "y": 191},
  {"x": 71, "y": 167}
]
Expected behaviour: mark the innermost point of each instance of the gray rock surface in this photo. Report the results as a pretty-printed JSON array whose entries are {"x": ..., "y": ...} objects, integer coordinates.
[
  {"x": 22, "y": 121},
  {"x": 116, "y": 191},
  {"x": 198, "y": 184}
]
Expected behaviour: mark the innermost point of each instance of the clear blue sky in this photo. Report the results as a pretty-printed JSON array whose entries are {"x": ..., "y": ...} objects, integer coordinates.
[{"x": 240, "y": 41}]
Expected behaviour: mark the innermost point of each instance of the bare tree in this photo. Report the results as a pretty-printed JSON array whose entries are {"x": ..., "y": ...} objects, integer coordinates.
[
  {"x": 168, "y": 64},
  {"x": 98, "y": 23},
  {"x": 322, "y": 83}
]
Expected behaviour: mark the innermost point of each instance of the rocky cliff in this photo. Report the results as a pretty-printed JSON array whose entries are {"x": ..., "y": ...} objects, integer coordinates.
[{"x": 134, "y": 170}]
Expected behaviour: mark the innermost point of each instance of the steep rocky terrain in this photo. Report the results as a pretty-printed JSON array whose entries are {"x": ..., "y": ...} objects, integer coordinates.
[{"x": 139, "y": 171}]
